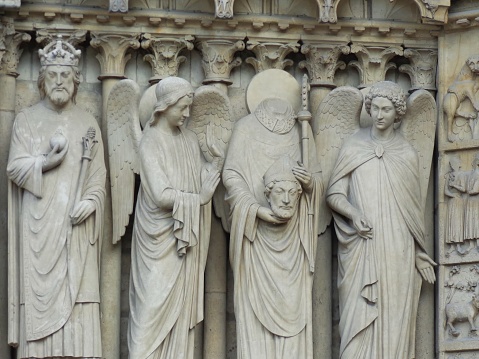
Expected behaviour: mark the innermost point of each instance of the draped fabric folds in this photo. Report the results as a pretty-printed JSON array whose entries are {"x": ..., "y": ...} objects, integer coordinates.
[
  {"x": 273, "y": 265},
  {"x": 378, "y": 282},
  {"x": 56, "y": 264},
  {"x": 169, "y": 248}
]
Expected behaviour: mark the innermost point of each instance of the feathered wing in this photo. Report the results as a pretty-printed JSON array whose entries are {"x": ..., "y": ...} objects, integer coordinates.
[
  {"x": 337, "y": 118},
  {"x": 419, "y": 128},
  {"x": 212, "y": 122},
  {"x": 124, "y": 135}
]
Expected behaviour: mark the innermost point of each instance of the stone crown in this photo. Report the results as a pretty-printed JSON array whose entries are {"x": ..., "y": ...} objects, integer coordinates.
[{"x": 59, "y": 53}]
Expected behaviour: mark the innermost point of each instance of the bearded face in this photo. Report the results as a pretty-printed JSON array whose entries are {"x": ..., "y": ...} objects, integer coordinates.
[
  {"x": 283, "y": 198},
  {"x": 59, "y": 84}
]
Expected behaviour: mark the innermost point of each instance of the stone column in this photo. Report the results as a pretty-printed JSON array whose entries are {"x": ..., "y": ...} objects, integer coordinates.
[
  {"x": 422, "y": 72},
  {"x": 422, "y": 69},
  {"x": 322, "y": 61},
  {"x": 373, "y": 61},
  {"x": 112, "y": 55},
  {"x": 218, "y": 61},
  {"x": 270, "y": 55},
  {"x": 10, "y": 53},
  {"x": 164, "y": 56}
]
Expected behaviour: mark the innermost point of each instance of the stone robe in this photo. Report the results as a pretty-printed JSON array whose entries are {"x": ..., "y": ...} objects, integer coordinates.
[
  {"x": 471, "y": 228},
  {"x": 454, "y": 229},
  {"x": 54, "y": 265},
  {"x": 169, "y": 248},
  {"x": 378, "y": 282},
  {"x": 272, "y": 264}
]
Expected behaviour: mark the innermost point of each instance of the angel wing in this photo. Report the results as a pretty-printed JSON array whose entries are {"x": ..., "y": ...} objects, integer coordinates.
[
  {"x": 124, "y": 135},
  {"x": 337, "y": 118},
  {"x": 211, "y": 120},
  {"x": 213, "y": 123},
  {"x": 419, "y": 128}
]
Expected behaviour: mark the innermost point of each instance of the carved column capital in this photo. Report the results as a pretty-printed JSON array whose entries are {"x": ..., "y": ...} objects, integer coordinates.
[
  {"x": 112, "y": 52},
  {"x": 373, "y": 62},
  {"x": 10, "y": 50},
  {"x": 422, "y": 68},
  {"x": 328, "y": 10},
  {"x": 322, "y": 62},
  {"x": 270, "y": 55},
  {"x": 74, "y": 38},
  {"x": 218, "y": 59},
  {"x": 224, "y": 9},
  {"x": 164, "y": 57}
]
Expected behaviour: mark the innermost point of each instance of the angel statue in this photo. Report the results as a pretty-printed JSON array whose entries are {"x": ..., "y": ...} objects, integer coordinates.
[
  {"x": 173, "y": 210},
  {"x": 377, "y": 192},
  {"x": 273, "y": 198}
]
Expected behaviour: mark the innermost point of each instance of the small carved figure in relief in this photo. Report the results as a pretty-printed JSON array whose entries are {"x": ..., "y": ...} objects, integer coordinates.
[
  {"x": 377, "y": 193},
  {"x": 464, "y": 89},
  {"x": 462, "y": 285},
  {"x": 461, "y": 312},
  {"x": 173, "y": 210},
  {"x": 56, "y": 201},
  {"x": 454, "y": 189},
  {"x": 274, "y": 202},
  {"x": 471, "y": 226}
]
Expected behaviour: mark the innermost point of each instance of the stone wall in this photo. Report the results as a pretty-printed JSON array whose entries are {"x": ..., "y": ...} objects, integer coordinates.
[{"x": 369, "y": 42}]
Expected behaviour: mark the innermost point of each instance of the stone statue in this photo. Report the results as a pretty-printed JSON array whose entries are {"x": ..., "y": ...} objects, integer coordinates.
[
  {"x": 377, "y": 194},
  {"x": 172, "y": 218},
  {"x": 455, "y": 189},
  {"x": 56, "y": 201},
  {"x": 273, "y": 198},
  {"x": 471, "y": 227},
  {"x": 462, "y": 101}
]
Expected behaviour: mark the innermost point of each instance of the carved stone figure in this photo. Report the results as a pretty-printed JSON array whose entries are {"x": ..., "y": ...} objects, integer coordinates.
[
  {"x": 172, "y": 218},
  {"x": 273, "y": 199},
  {"x": 455, "y": 189},
  {"x": 471, "y": 227},
  {"x": 377, "y": 194},
  {"x": 56, "y": 201},
  {"x": 464, "y": 89}
]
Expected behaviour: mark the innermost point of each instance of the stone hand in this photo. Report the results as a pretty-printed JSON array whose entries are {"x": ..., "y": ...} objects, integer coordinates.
[
  {"x": 363, "y": 226},
  {"x": 208, "y": 186},
  {"x": 425, "y": 266},
  {"x": 81, "y": 211},
  {"x": 303, "y": 176},
  {"x": 54, "y": 158},
  {"x": 268, "y": 215}
]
